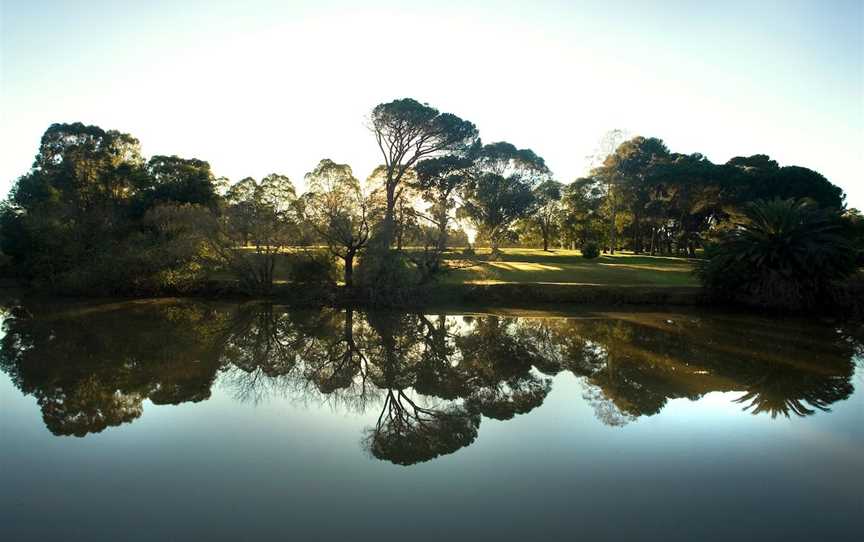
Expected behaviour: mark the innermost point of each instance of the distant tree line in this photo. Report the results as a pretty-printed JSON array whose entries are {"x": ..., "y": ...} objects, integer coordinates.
[
  {"x": 647, "y": 199},
  {"x": 93, "y": 215}
]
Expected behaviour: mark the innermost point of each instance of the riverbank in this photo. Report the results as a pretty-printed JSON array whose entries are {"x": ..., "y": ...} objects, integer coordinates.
[{"x": 512, "y": 295}]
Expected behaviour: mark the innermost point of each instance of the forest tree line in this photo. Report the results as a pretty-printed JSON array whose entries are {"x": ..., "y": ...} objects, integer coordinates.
[{"x": 93, "y": 215}]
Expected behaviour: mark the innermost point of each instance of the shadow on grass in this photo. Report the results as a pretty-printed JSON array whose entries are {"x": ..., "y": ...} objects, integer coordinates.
[{"x": 569, "y": 267}]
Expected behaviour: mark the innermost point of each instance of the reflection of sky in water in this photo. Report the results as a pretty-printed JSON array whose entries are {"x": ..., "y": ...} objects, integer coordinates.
[{"x": 288, "y": 464}]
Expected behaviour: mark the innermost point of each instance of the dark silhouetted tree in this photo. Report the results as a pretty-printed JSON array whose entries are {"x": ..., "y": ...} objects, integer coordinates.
[{"x": 406, "y": 132}]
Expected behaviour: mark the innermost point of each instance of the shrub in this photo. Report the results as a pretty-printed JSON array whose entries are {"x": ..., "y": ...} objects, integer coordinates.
[
  {"x": 590, "y": 250},
  {"x": 313, "y": 270},
  {"x": 385, "y": 277},
  {"x": 786, "y": 254}
]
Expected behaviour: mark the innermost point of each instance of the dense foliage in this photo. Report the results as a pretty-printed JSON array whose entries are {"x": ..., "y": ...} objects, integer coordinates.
[
  {"x": 92, "y": 215},
  {"x": 590, "y": 250},
  {"x": 785, "y": 254}
]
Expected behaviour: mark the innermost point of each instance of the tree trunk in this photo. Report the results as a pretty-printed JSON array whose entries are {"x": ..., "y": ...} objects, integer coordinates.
[
  {"x": 496, "y": 252},
  {"x": 637, "y": 233},
  {"x": 349, "y": 327},
  {"x": 349, "y": 269},
  {"x": 265, "y": 272},
  {"x": 442, "y": 236},
  {"x": 389, "y": 227},
  {"x": 613, "y": 233},
  {"x": 653, "y": 241}
]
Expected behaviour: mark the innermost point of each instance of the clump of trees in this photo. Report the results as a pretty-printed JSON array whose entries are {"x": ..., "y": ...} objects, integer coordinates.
[
  {"x": 501, "y": 190},
  {"x": 92, "y": 215},
  {"x": 647, "y": 199},
  {"x": 258, "y": 222}
]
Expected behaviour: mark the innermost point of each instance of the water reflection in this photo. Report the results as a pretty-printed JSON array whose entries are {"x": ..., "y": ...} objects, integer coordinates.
[
  {"x": 92, "y": 367},
  {"x": 430, "y": 379}
]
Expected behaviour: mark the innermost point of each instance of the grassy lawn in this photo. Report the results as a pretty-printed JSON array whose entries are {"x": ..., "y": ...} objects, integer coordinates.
[
  {"x": 569, "y": 267},
  {"x": 534, "y": 266}
]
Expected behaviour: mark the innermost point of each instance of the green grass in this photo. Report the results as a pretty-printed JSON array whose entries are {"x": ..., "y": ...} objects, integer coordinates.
[
  {"x": 534, "y": 266},
  {"x": 519, "y": 265}
]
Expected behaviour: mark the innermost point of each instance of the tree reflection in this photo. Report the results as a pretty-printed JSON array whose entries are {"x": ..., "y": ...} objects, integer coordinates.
[
  {"x": 440, "y": 373},
  {"x": 406, "y": 433},
  {"x": 429, "y": 379},
  {"x": 88, "y": 406},
  {"x": 91, "y": 366},
  {"x": 402, "y": 350},
  {"x": 783, "y": 391},
  {"x": 499, "y": 362},
  {"x": 335, "y": 368},
  {"x": 264, "y": 345},
  {"x": 633, "y": 364}
]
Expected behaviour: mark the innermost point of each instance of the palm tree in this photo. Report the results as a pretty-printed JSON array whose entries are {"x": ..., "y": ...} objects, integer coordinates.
[{"x": 785, "y": 254}]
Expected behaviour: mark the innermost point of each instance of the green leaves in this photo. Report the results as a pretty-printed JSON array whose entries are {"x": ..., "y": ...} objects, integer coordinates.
[{"x": 171, "y": 178}]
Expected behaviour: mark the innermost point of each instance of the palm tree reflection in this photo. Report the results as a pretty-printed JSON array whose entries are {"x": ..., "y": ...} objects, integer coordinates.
[{"x": 784, "y": 391}]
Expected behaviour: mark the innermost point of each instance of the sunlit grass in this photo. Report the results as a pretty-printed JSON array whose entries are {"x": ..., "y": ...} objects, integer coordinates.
[
  {"x": 521, "y": 265},
  {"x": 534, "y": 266}
]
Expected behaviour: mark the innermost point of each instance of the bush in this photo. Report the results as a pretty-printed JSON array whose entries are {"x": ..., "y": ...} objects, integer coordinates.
[
  {"x": 314, "y": 271},
  {"x": 385, "y": 277},
  {"x": 787, "y": 254},
  {"x": 590, "y": 250}
]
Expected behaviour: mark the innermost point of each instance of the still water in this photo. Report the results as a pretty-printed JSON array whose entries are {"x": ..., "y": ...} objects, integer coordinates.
[{"x": 181, "y": 420}]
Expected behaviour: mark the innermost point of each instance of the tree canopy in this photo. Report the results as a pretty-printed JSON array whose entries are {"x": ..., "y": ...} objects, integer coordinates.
[{"x": 408, "y": 131}]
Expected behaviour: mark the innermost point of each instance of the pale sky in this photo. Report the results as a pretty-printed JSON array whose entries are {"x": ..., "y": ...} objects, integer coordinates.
[{"x": 256, "y": 87}]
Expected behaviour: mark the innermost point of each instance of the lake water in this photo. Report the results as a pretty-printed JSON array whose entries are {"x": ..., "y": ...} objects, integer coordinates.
[{"x": 182, "y": 420}]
